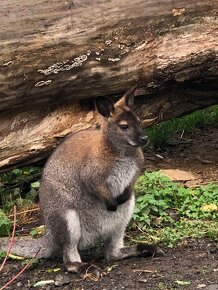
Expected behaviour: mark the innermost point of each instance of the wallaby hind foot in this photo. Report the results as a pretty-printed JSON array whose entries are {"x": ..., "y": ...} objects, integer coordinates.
[
  {"x": 115, "y": 249},
  {"x": 139, "y": 250}
]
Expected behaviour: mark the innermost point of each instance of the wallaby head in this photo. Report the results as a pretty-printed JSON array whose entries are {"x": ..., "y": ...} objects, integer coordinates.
[{"x": 121, "y": 126}]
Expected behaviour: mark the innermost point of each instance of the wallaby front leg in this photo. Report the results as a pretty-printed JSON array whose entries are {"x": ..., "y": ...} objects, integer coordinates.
[
  {"x": 72, "y": 260},
  {"x": 71, "y": 256}
]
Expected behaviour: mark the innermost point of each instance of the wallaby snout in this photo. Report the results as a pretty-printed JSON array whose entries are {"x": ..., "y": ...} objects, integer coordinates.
[
  {"x": 139, "y": 137},
  {"x": 143, "y": 140}
]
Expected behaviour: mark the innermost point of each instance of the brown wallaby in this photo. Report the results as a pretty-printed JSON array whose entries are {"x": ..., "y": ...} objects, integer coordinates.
[{"x": 86, "y": 188}]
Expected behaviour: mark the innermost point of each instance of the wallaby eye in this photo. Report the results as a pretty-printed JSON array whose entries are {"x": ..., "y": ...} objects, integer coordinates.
[{"x": 124, "y": 127}]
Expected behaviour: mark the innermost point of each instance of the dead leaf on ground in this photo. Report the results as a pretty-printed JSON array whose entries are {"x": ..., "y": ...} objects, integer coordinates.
[
  {"x": 209, "y": 207},
  {"x": 183, "y": 283},
  {"x": 178, "y": 175},
  {"x": 43, "y": 283},
  {"x": 178, "y": 11},
  {"x": 200, "y": 286},
  {"x": 193, "y": 183},
  {"x": 109, "y": 269}
]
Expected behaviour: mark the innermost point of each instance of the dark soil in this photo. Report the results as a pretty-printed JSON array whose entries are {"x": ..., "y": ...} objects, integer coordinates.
[
  {"x": 196, "y": 152},
  {"x": 195, "y": 262}
]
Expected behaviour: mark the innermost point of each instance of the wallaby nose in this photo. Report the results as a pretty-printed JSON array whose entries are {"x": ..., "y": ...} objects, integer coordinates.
[{"x": 143, "y": 139}]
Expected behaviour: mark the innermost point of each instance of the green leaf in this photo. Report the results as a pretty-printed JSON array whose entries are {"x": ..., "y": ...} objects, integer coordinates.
[
  {"x": 37, "y": 232},
  {"x": 16, "y": 171},
  {"x": 35, "y": 185}
]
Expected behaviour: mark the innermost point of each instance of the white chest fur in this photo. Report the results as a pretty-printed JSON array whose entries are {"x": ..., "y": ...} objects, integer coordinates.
[{"x": 122, "y": 175}]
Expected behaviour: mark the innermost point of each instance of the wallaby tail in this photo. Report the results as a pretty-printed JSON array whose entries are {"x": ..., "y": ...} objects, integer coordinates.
[{"x": 27, "y": 247}]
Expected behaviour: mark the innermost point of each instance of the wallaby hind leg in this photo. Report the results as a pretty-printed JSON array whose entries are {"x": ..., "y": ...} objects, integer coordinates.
[
  {"x": 71, "y": 256},
  {"x": 115, "y": 249}
]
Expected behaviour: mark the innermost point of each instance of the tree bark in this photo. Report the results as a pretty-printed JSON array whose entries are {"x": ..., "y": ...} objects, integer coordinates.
[{"x": 54, "y": 56}]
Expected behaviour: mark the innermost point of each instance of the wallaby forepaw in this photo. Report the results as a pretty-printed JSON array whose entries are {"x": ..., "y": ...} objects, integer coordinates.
[
  {"x": 146, "y": 250},
  {"x": 111, "y": 205},
  {"x": 122, "y": 198}
]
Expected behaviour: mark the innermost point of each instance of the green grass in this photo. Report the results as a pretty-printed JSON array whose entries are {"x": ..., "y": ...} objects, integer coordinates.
[
  {"x": 168, "y": 212},
  {"x": 160, "y": 134}
]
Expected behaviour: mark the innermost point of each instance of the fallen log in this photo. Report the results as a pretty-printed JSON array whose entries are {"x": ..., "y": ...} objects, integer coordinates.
[{"x": 56, "y": 57}]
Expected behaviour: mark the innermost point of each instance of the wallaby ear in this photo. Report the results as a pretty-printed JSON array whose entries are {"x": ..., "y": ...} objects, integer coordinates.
[
  {"x": 104, "y": 106},
  {"x": 128, "y": 98}
]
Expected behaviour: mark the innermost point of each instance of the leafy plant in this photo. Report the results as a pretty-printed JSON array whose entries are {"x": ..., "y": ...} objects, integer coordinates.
[
  {"x": 32, "y": 263},
  {"x": 155, "y": 194},
  {"x": 201, "y": 203},
  {"x": 187, "y": 229},
  {"x": 5, "y": 224},
  {"x": 2, "y": 255},
  {"x": 19, "y": 187},
  {"x": 165, "y": 210}
]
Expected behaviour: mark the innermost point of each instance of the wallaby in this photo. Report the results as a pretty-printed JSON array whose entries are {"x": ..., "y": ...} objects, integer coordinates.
[{"x": 86, "y": 188}]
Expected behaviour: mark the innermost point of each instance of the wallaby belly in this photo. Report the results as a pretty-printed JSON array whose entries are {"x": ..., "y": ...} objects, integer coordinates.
[{"x": 101, "y": 224}]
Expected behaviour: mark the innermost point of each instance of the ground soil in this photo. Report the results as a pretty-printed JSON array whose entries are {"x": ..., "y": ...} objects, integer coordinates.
[
  {"x": 196, "y": 152},
  {"x": 193, "y": 261}
]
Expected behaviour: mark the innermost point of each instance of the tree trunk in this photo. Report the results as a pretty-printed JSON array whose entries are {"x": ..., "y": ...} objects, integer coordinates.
[{"x": 55, "y": 55}]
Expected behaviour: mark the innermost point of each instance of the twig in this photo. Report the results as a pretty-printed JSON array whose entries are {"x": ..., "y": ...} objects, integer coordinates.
[
  {"x": 140, "y": 229},
  {"x": 92, "y": 277},
  {"x": 159, "y": 156},
  {"x": 21, "y": 271},
  {"x": 12, "y": 240},
  {"x": 144, "y": 271},
  {"x": 25, "y": 211}
]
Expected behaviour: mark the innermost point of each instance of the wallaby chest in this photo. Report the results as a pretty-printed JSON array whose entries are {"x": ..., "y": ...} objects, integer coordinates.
[{"x": 122, "y": 175}]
